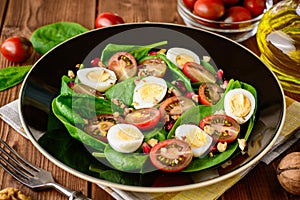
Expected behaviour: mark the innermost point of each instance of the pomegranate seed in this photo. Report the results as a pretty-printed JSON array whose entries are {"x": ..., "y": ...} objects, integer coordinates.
[{"x": 95, "y": 62}]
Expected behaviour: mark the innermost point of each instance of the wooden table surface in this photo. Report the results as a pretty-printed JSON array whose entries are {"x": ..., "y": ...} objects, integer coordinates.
[{"x": 22, "y": 17}]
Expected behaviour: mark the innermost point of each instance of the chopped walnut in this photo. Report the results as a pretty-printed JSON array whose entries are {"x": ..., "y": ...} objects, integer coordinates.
[
  {"x": 222, "y": 146},
  {"x": 242, "y": 144},
  {"x": 12, "y": 193}
]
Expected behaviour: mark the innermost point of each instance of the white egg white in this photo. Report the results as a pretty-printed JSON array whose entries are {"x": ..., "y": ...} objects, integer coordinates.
[
  {"x": 149, "y": 92},
  {"x": 125, "y": 138},
  {"x": 179, "y": 56},
  {"x": 236, "y": 107},
  {"x": 187, "y": 132},
  {"x": 98, "y": 78}
]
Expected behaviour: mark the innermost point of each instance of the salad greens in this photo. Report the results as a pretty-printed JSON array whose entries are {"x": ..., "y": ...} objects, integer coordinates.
[{"x": 68, "y": 108}]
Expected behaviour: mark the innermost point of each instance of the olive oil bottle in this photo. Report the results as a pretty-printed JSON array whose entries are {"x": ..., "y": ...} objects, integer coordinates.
[{"x": 278, "y": 38}]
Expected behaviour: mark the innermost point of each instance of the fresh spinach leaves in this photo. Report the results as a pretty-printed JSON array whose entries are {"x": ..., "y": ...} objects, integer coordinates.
[
  {"x": 11, "y": 76},
  {"x": 46, "y": 37}
]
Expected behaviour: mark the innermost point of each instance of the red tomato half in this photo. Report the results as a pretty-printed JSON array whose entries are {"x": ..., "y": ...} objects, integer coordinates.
[
  {"x": 209, "y": 93},
  {"x": 108, "y": 19},
  {"x": 209, "y": 9},
  {"x": 222, "y": 127},
  {"x": 16, "y": 49},
  {"x": 256, "y": 7},
  {"x": 144, "y": 119},
  {"x": 171, "y": 155},
  {"x": 123, "y": 64},
  {"x": 197, "y": 73}
]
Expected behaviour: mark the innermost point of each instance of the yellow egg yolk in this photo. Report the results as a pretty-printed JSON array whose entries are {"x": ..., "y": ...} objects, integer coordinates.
[
  {"x": 127, "y": 134},
  {"x": 98, "y": 76},
  {"x": 150, "y": 92},
  {"x": 181, "y": 59},
  {"x": 240, "y": 105},
  {"x": 196, "y": 139}
]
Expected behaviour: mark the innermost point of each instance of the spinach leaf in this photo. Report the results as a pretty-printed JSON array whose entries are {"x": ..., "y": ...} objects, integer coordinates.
[
  {"x": 137, "y": 51},
  {"x": 11, "y": 76},
  {"x": 125, "y": 162},
  {"x": 46, "y": 37}
]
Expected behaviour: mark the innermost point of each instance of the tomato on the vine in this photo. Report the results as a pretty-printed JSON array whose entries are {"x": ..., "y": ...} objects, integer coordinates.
[
  {"x": 171, "y": 155},
  {"x": 221, "y": 127},
  {"x": 209, "y": 9},
  {"x": 108, "y": 19},
  {"x": 16, "y": 49},
  {"x": 256, "y": 7},
  {"x": 144, "y": 119}
]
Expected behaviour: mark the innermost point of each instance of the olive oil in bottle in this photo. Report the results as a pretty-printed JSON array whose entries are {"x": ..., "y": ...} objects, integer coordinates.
[{"x": 278, "y": 38}]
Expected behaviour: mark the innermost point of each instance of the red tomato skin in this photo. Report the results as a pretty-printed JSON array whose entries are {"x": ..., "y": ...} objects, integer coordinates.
[
  {"x": 256, "y": 7},
  {"x": 189, "y": 4},
  {"x": 209, "y": 9},
  {"x": 16, "y": 49},
  {"x": 149, "y": 123},
  {"x": 237, "y": 14},
  {"x": 106, "y": 19}
]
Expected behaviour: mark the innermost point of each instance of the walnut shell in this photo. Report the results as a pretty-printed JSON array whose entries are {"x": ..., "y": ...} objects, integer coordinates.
[{"x": 288, "y": 173}]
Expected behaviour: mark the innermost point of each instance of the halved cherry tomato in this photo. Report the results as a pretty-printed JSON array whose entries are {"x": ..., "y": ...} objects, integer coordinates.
[
  {"x": 171, "y": 155},
  {"x": 99, "y": 125},
  {"x": 107, "y": 19},
  {"x": 209, "y": 93},
  {"x": 152, "y": 67},
  {"x": 16, "y": 49},
  {"x": 123, "y": 64},
  {"x": 144, "y": 119},
  {"x": 221, "y": 127},
  {"x": 209, "y": 9},
  {"x": 256, "y": 7},
  {"x": 197, "y": 73},
  {"x": 173, "y": 107}
]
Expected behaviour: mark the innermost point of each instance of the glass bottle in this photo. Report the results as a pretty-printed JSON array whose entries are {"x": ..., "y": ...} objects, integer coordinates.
[{"x": 278, "y": 38}]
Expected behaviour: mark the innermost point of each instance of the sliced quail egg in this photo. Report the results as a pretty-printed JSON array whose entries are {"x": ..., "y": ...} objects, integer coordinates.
[
  {"x": 148, "y": 92},
  {"x": 239, "y": 104},
  {"x": 179, "y": 56},
  {"x": 98, "y": 78},
  {"x": 125, "y": 138},
  {"x": 198, "y": 139}
]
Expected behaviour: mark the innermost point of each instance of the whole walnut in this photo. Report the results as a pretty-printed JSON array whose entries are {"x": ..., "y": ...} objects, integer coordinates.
[{"x": 288, "y": 173}]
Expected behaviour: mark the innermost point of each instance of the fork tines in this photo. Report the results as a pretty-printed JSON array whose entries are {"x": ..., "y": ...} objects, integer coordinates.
[{"x": 14, "y": 164}]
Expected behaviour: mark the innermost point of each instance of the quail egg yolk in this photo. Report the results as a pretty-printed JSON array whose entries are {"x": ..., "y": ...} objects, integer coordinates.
[
  {"x": 98, "y": 76},
  {"x": 196, "y": 138},
  {"x": 181, "y": 59},
  {"x": 127, "y": 134},
  {"x": 149, "y": 92},
  {"x": 240, "y": 105}
]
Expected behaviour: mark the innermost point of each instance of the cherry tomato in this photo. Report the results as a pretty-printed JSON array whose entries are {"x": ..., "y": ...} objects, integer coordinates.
[
  {"x": 108, "y": 19},
  {"x": 197, "y": 73},
  {"x": 256, "y": 7},
  {"x": 189, "y": 4},
  {"x": 209, "y": 9},
  {"x": 173, "y": 107},
  {"x": 152, "y": 67},
  {"x": 123, "y": 64},
  {"x": 209, "y": 93},
  {"x": 236, "y": 14},
  {"x": 16, "y": 49},
  {"x": 221, "y": 127},
  {"x": 144, "y": 119},
  {"x": 99, "y": 125},
  {"x": 171, "y": 155}
]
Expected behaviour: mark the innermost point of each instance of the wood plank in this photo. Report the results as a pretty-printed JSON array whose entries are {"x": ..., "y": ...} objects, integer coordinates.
[{"x": 3, "y": 4}]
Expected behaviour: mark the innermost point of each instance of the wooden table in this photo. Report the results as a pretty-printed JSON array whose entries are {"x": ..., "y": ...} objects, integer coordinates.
[{"x": 22, "y": 17}]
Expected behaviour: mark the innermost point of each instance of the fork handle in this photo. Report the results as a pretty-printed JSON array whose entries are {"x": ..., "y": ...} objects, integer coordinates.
[{"x": 72, "y": 194}]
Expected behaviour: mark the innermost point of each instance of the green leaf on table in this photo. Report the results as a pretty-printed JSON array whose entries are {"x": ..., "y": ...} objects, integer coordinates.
[
  {"x": 11, "y": 76},
  {"x": 46, "y": 37}
]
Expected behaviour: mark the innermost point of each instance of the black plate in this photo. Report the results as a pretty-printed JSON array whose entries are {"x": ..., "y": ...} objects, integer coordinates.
[{"x": 43, "y": 84}]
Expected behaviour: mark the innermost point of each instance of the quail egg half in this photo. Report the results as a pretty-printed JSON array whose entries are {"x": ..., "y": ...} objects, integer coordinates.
[
  {"x": 125, "y": 138},
  {"x": 198, "y": 139},
  {"x": 149, "y": 92},
  {"x": 239, "y": 104},
  {"x": 98, "y": 78},
  {"x": 179, "y": 56}
]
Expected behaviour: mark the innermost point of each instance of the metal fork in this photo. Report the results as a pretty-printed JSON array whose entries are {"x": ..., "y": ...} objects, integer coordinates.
[{"x": 32, "y": 176}]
